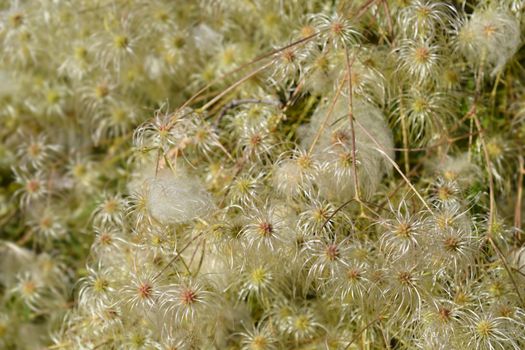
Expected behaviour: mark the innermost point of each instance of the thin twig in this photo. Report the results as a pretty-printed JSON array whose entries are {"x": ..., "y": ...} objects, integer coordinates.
[
  {"x": 388, "y": 18},
  {"x": 243, "y": 66},
  {"x": 351, "y": 118},
  {"x": 201, "y": 260},
  {"x": 178, "y": 254},
  {"x": 380, "y": 150},
  {"x": 492, "y": 201},
  {"x": 507, "y": 268},
  {"x": 327, "y": 116},
  {"x": 406, "y": 151},
  {"x": 362, "y": 10},
  {"x": 361, "y": 332},
  {"x": 519, "y": 195},
  {"x": 335, "y": 212},
  {"x": 295, "y": 94},
  {"x": 235, "y": 85}
]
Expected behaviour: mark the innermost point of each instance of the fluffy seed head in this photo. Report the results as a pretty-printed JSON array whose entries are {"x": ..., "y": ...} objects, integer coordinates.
[{"x": 175, "y": 198}]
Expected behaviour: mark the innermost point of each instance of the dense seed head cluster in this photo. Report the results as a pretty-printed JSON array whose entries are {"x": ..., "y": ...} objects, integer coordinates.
[{"x": 262, "y": 175}]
